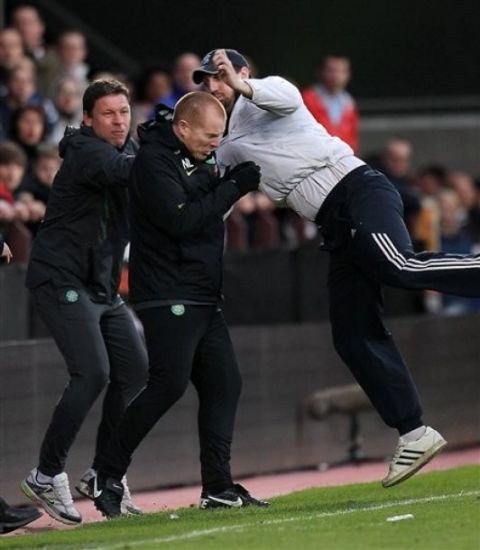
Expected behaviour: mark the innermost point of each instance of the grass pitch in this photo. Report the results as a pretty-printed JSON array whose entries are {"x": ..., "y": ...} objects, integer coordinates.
[{"x": 433, "y": 511}]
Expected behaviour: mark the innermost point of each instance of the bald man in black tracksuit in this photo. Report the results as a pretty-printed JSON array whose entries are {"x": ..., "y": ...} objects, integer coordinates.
[{"x": 178, "y": 201}]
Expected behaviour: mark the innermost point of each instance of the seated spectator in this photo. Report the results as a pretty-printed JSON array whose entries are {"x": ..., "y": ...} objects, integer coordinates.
[
  {"x": 464, "y": 185},
  {"x": 14, "y": 213},
  {"x": 183, "y": 68},
  {"x": 330, "y": 103},
  {"x": 429, "y": 182},
  {"x": 28, "y": 131},
  {"x": 71, "y": 50},
  {"x": 266, "y": 229},
  {"x": 21, "y": 92},
  {"x": 68, "y": 103},
  {"x": 11, "y": 54},
  {"x": 454, "y": 240},
  {"x": 45, "y": 169},
  {"x": 396, "y": 163},
  {"x": 154, "y": 86},
  {"x": 26, "y": 19}
]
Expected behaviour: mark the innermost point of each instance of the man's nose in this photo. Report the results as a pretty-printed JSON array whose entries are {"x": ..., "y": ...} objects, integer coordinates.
[{"x": 117, "y": 118}]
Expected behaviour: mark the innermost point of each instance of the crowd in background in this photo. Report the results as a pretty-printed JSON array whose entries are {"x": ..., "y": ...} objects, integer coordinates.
[{"x": 41, "y": 88}]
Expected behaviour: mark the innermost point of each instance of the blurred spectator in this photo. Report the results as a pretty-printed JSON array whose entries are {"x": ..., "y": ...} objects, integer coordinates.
[
  {"x": 11, "y": 54},
  {"x": 26, "y": 19},
  {"x": 396, "y": 164},
  {"x": 237, "y": 227},
  {"x": 14, "y": 214},
  {"x": 154, "y": 86},
  {"x": 330, "y": 103},
  {"x": 468, "y": 194},
  {"x": 474, "y": 224},
  {"x": 44, "y": 171},
  {"x": 72, "y": 53},
  {"x": 21, "y": 92},
  {"x": 28, "y": 131},
  {"x": 68, "y": 103},
  {"x": 455, "y": 240},
  {"x": 28, "y": 22},
  {"x": 183, "y": 67}
]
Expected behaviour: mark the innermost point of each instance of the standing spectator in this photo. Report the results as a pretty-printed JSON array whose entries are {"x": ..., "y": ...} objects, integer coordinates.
[
  {"x": 68, "y": 103},
  {"x": 74, "y": 274},
  {"x": 330, "y": 103},
  {"x": 183, "y": 68}
]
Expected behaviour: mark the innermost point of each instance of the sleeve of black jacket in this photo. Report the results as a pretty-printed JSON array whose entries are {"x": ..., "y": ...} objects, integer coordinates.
[
  {"x": 106, "y": 166},
  {"x": 165, "y": 202}
]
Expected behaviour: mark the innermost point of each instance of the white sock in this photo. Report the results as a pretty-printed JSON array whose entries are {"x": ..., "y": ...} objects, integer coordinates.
[
  {"x": 414, "y": 435},
  {"x": 43, "y": 479}
]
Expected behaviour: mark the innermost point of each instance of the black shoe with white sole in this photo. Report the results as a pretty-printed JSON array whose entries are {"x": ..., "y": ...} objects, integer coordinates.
[
  {"x": 12, "y": 518},
  {"x": 235, "y": 497},
  {"x": 108, "y": 497}
]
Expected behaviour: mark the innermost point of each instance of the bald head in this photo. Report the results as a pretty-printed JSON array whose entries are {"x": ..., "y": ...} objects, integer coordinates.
[
  {"x": 199, "y": 122},
  {"x": 196, "y": 106}
]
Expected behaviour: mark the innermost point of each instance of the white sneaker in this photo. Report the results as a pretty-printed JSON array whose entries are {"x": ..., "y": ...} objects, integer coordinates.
[
  {"x": 54, "y": 497},
  {"x": 87, "y": 487},
  {"x": 127, "y": 505},
  {"x": 410, "y": 456}
]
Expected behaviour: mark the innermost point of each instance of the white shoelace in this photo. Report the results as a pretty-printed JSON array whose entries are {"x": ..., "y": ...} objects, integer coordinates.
[{"x": 62, "y": 492}]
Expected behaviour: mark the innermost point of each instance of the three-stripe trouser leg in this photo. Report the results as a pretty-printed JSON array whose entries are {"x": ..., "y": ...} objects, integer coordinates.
[
  {"x": 367, "y": 347},
  {"x": 382, "y": 248}
]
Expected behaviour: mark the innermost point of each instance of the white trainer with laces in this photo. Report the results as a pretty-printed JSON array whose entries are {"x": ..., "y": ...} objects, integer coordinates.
[
  {"x": 86, "y": 487},
  {"x": 410, "y": 456},
  {"x": 127, "y": 506},
  {"x": 54, "y": 497}
]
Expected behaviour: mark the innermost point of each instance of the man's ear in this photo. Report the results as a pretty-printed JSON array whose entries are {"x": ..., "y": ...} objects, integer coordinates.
[
  {"x": 244, "y": 73},
  {"x": 87, "y": 120},
  {"x": 183, "y": 127}
]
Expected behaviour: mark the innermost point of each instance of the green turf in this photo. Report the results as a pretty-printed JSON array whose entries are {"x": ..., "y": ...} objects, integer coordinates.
[{"x": 445, "y": 506}]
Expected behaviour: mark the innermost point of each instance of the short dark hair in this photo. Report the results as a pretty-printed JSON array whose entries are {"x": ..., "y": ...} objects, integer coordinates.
[
  {"x": 11, "y": 153},
  {"x": 102, "y": 88}
]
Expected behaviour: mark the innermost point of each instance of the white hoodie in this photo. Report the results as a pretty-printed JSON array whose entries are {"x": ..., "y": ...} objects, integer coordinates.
[{"x": 300, "y": 161}]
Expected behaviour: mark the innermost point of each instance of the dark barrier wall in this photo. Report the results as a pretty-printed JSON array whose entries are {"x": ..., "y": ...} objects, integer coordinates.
[
  {"x": 262, "y": 287},
  {"x": 281, "y": 366}
]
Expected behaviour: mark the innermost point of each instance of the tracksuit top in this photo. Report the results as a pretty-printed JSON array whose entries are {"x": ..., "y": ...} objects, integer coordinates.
[{"x": 301, "y": 162}]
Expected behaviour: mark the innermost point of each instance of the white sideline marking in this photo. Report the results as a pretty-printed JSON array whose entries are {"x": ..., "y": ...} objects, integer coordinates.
[{"x": 240, "y": 527}]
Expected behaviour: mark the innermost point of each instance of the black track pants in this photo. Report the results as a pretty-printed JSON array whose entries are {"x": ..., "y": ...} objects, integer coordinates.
[
  {"x": 101, "y": 346},
  {"x": 192, "y": 346},
  {"x": 369, "y": 245}
]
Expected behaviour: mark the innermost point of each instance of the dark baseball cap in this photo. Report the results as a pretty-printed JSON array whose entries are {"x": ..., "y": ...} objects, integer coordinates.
[{"x": 207, "y": 67}]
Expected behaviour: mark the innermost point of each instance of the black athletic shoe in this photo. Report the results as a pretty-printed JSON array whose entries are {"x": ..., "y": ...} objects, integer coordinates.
[
  {"x": 12, "y": 518},
  {"x": 247, "y": 498},
  {"x": 236, "y": 497},
  {"x": 108, "y": 497}
]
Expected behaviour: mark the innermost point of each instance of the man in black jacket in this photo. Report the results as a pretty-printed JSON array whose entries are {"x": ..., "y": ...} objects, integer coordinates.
[
  {"x": 73, "y": 277},
  {"x": 178, "y": 203}
]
